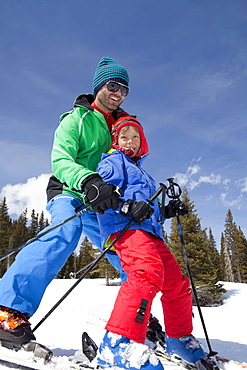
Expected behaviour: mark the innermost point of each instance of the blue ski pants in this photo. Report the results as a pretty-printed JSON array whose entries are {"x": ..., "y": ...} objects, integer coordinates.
[{"x": 36, "y": 265}]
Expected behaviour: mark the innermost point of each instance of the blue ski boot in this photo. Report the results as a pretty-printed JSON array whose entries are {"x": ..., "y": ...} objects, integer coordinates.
[
  {"x": 119, "y": 351},
  {"x": 188, "y": 348}
]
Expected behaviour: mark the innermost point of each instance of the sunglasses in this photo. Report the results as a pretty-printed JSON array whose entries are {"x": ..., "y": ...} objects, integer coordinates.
[{"x": 115, "y": 86}]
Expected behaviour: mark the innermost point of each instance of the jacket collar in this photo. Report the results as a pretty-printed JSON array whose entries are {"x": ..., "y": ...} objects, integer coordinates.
[{"x": 85, "y": 100}]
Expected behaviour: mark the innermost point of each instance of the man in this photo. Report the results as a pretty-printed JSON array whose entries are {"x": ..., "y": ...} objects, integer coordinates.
[{"x": 80, "y": 139}]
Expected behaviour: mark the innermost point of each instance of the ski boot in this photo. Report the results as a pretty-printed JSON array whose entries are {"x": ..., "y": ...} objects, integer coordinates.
[
  {"x": 185, "y": 350},
  {"x": 15, "y": 329},
  {"x": 119, "y": 351},
  {"x": 188, "y": 348}
]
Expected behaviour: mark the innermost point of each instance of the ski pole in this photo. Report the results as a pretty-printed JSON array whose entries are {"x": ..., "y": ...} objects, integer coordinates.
[
  {"x": 162, "y": 189},
  {"x": 72, "y": 275},
  {"x": 23, "y": 245},
  {"x": 172, "y": 194},
  {"x": 95, "y": 262}
]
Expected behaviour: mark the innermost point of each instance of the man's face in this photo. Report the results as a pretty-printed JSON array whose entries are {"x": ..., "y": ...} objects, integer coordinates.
[{"x": 107, "y": 100}]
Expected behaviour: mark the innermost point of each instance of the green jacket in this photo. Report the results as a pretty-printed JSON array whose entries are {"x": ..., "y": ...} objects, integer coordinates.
[{"x": 80, "y": 139}]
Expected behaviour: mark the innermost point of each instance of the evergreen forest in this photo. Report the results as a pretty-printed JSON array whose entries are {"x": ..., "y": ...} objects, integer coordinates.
[{"x": 209, "y": 266}]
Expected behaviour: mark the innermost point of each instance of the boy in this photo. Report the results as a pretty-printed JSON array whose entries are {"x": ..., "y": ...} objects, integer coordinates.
[{"x": 149, "y": 264}]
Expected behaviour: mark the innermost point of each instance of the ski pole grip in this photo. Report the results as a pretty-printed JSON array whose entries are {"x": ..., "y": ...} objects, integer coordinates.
[{"x": 173, "y": 194}]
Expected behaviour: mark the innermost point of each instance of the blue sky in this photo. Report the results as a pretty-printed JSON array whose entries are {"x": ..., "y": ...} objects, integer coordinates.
[{"x": 187, "y": 61}]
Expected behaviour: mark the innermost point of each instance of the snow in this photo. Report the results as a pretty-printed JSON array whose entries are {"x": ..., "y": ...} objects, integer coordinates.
[{"x": 88, "y": 306}]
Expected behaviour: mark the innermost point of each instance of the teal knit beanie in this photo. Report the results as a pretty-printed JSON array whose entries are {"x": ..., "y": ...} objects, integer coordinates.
[{"x": 109, "y": 70}]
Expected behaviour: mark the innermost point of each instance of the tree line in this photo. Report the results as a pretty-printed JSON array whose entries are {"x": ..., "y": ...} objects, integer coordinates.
[
  {"x": 15, "y": 232},
  {"x": 209, "y": 266}
]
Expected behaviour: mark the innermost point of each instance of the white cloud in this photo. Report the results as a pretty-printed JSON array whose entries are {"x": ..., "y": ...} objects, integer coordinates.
[
  {"x": 211, "y": 179},
  {"x": 229, "y": 203},
  {"x": 226, "y": 182},
  {"x": 183, "y": 178},
  {"x": 193, "y": 184},
  {"x": 192, "y": 170},
  {"x": 31, "y": 195},
  {"x": 192, "y": 179},
  {"x": 243, "y": 184},
  {"x": 188, "y": 180}
]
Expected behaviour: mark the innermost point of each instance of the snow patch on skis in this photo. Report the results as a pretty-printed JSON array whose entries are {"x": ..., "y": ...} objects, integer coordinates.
[{"x": 24, "y": 360}]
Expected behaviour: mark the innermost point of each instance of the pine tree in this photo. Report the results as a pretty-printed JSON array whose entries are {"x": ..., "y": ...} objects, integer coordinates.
[
  {"x": 42, "y": 222},
  {"x": 34, "y": 227},
  {"x": 106, "y": 270},
  {"x": 243, "y": 244},
  {"x": 236, "y": 246},
  {"x": 215, "y": 256},
  {"x": 239, "y": 254},
  {"x": 20, "y": 229},
  {"x": 87, "y": 255},
  {"x": 199, "y": 254},
  {"x": 19, "y": 234},
  {"x": 225, "y": 261},
  {"x": 229, "y": 241},
  {"x": 5, "y": 235},
  {"x": 69, "y": 267}
]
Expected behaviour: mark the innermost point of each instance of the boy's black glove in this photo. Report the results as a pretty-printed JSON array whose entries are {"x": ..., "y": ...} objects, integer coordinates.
[
  {"x": 140, "y": 211},
  {"x": 174, "y": 206},
  {"x": 101, "y": 195}
]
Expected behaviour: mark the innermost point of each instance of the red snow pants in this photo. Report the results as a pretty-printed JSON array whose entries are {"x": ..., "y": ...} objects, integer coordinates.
[{"x": 151, "y": 268}]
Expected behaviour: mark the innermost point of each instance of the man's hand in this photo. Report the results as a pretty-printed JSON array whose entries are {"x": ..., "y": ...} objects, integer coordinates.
[
  {"x": 101, "y": 195},
  {"x": 174, "y": 207},
  {"x": 140, "y": 211}
]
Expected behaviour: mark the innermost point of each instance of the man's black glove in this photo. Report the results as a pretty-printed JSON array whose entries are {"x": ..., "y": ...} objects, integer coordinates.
[
  {"x": 140, "y": 211},
  {"x": 101, "y": 195},
  {"x": 174, "y": 207}
]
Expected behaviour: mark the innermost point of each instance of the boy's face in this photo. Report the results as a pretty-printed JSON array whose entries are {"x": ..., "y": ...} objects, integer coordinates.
[{"x": 129, "y": 137}]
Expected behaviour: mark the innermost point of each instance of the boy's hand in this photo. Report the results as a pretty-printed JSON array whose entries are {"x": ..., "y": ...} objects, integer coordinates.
[
  {"x": 173, "y": 207},
  {"x": 101, "y": 195},
  {"x": 140, "y": 211}
]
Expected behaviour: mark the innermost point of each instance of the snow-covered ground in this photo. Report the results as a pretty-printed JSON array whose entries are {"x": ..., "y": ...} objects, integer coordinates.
[{"x": 88, "y": 306}]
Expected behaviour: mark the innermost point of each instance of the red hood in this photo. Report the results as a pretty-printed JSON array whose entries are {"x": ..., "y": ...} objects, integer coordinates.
[{"x": 130, "y": 120}]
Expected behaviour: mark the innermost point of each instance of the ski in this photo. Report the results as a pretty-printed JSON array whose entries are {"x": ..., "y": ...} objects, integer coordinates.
[
  {"x": 31, "y": 364},
  {"x": 35, "y": 356},
  {"x": 18, "y": 359},
  {"x": 226, "y": 360},
  {"x": 201, "y": 364},
  {"x": 177, "y": 361},
  {"x": 26, "y": 365},
  {"x": 13, "y": 365},
  {"x": 89, "y": 348}
]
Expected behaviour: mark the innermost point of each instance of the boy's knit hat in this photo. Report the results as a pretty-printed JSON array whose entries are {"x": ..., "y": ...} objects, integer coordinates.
[
  {"x": 109, "y": 70},
  {"x": 125, "y": 121}
]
